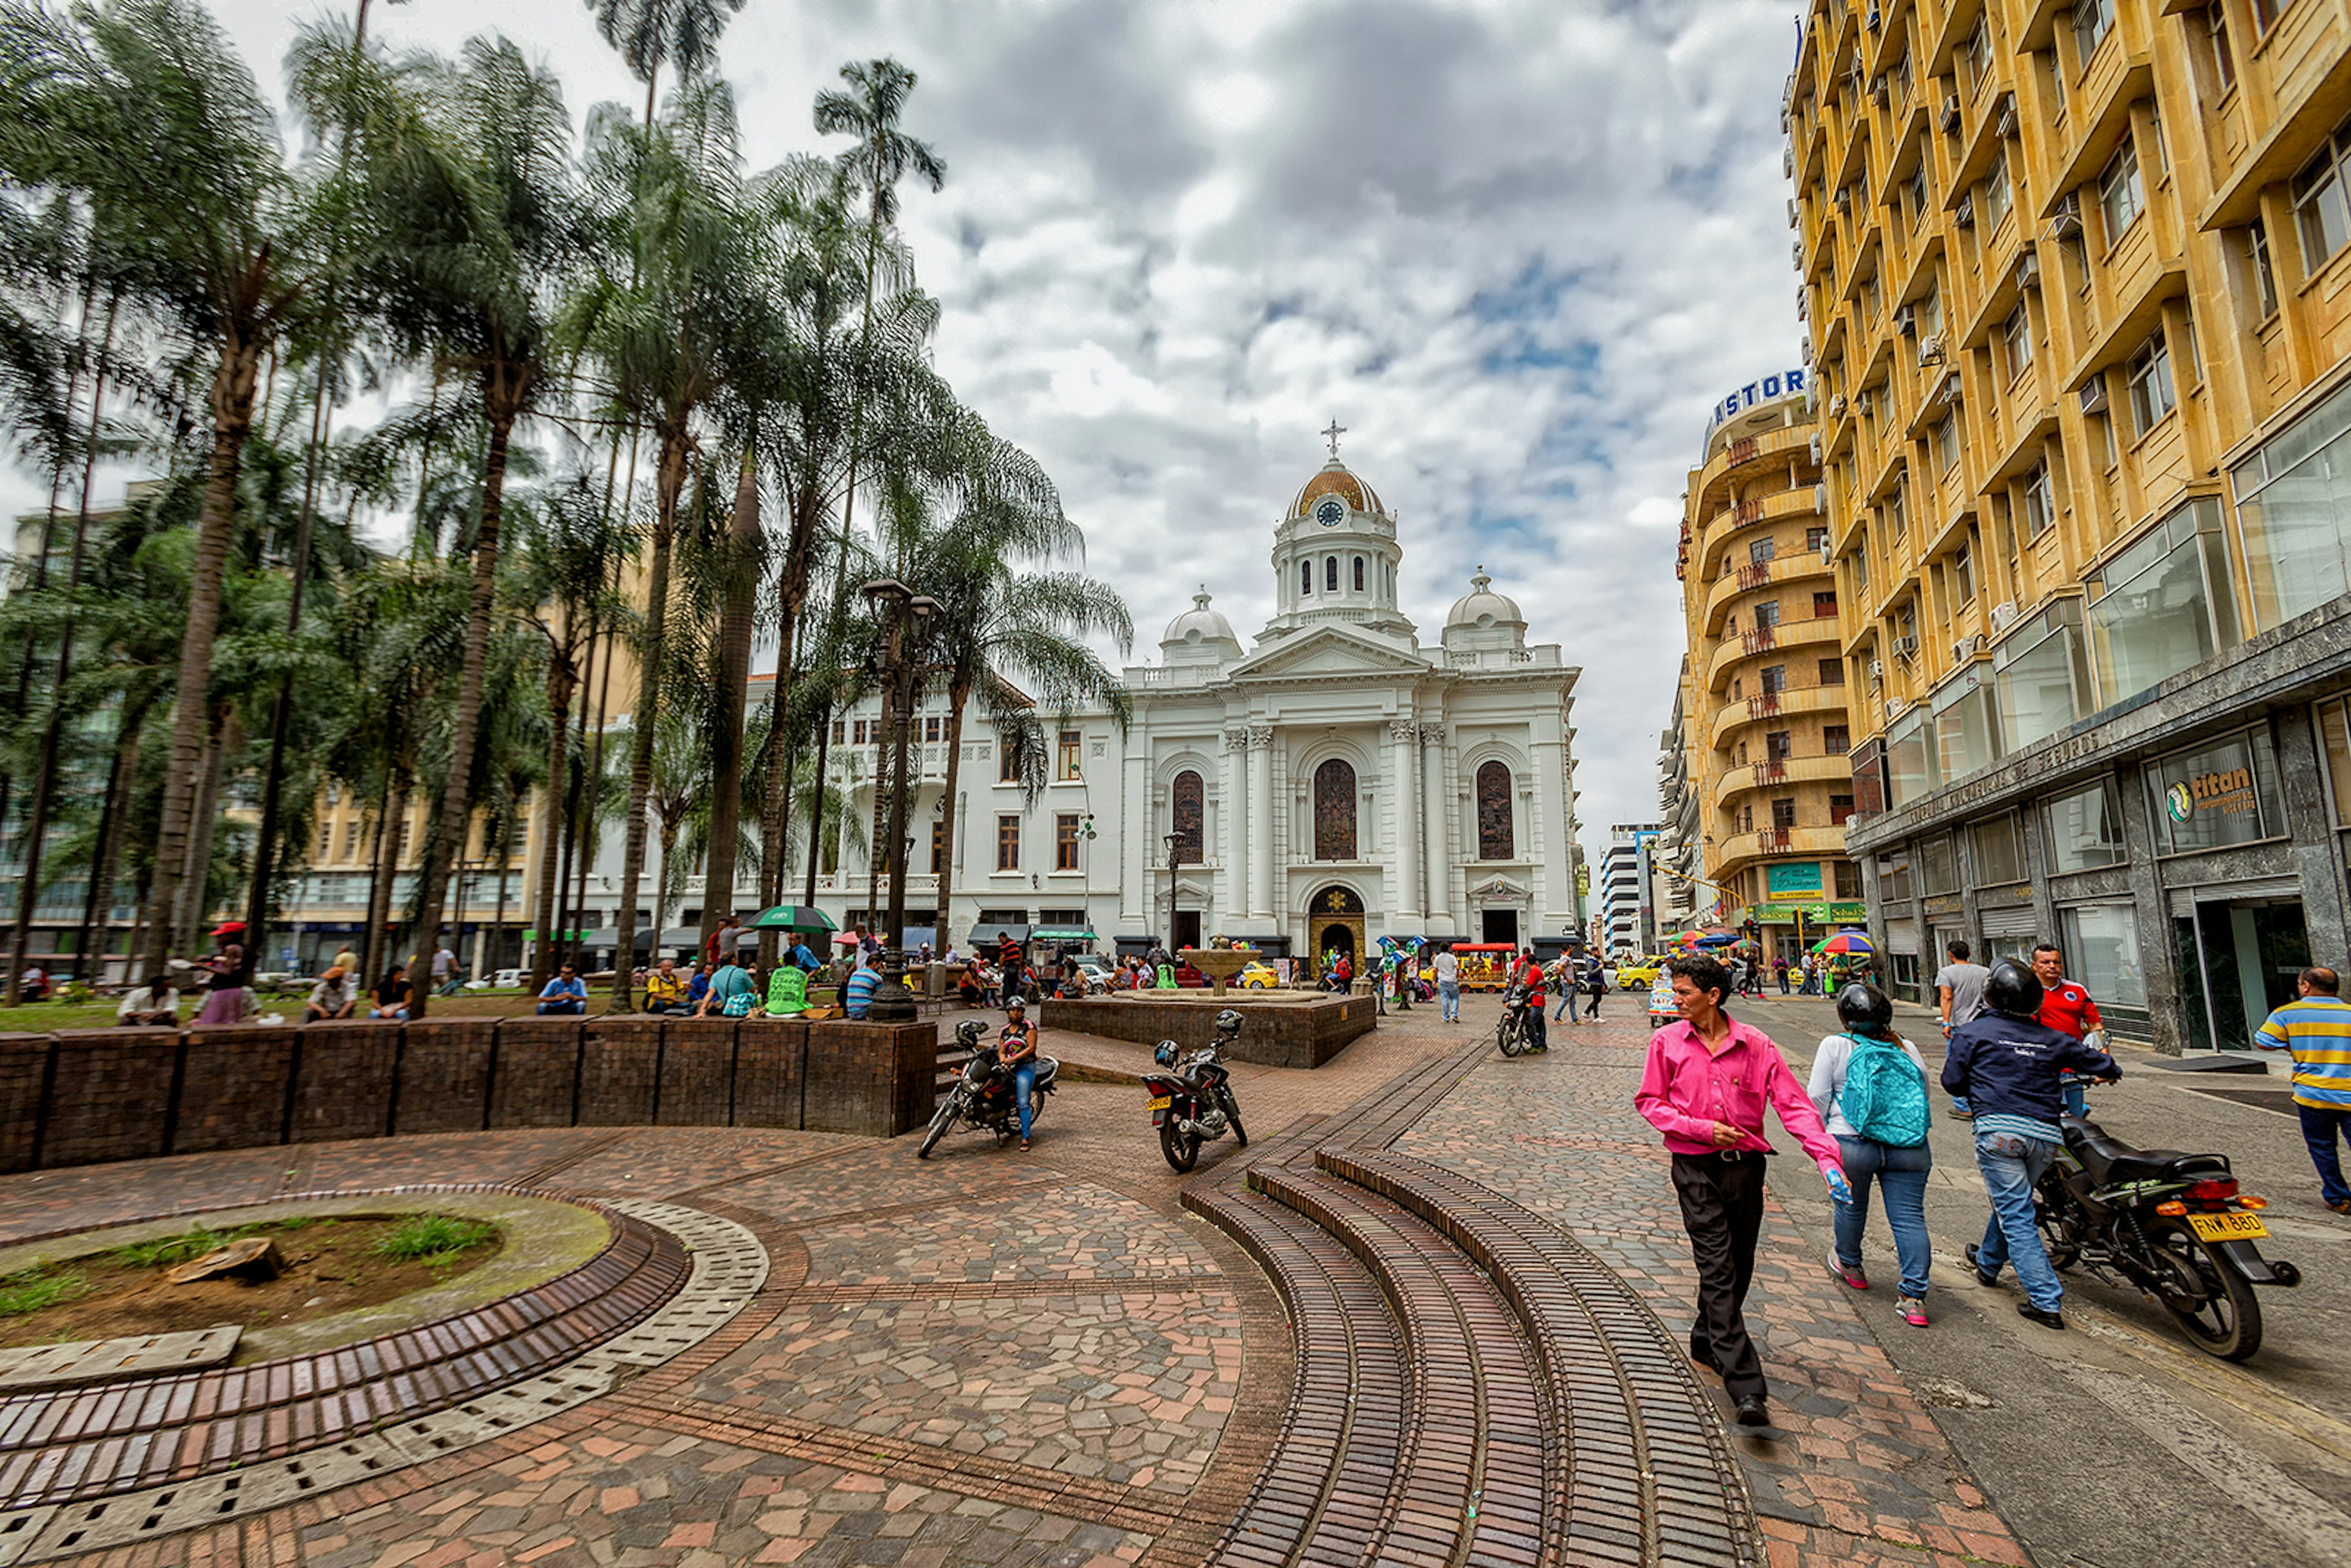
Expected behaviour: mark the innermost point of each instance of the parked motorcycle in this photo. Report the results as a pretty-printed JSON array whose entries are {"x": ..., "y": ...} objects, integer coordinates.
[
  {"x": 1512, "y": 1034},
  {"x": 1192, "y": 1100},
  {"x": 983, "y": 1097},
  {"x": 2173, "y": 1224}
]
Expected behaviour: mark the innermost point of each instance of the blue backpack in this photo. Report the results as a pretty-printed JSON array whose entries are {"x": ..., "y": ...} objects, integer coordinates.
[{"x": 1884, "y": 1094}]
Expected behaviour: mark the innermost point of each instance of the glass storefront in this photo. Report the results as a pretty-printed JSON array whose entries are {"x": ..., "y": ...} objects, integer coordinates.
[
  {"x": 1998, "y": 851},
  {"x": 2237, "y": 960},
  {"x": 2162, "y": 605},
  {"x": 2043, "y": 674},
  {"x": 2216, "y": 794},
  {"x": 2085, "y": 830},
  {"x": 1909, "y": 758},
  {"x": 1938, "y": 866},
  {"x": 1967, "y": 724},
  {"x": 2293, "y": 502},
  {"x": 2101, "y": 943}
]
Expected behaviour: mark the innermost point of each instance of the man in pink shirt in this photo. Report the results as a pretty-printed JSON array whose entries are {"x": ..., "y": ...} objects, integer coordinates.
[{"x": 1708, "y": 1080}]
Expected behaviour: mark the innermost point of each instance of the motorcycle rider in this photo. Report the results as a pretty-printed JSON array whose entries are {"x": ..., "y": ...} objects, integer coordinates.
[
  {"x": 2010, "y": 1065},
  {"x": 1016, "y": 1050},
  {"x": 1529, "y": 979}
]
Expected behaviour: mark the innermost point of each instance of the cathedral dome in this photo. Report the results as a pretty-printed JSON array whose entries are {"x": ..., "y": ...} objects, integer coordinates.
[
  {"x": 1199, "y": 625},
  {"x": 1483, "y": 607},
  {"x": 1336, "y": 480}
]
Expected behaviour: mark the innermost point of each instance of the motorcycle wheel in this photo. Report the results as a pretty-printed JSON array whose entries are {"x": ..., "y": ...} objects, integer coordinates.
[
  {"x": 1233, "y": 1115},
  {"x": 2228, "y": 1322},
  {"x": 941, "y": 1119},
  {"x": 1182, "y": 1149},
  {"x": 1512, "y": 1040},
  {"x": 2060, "y": 1226}
]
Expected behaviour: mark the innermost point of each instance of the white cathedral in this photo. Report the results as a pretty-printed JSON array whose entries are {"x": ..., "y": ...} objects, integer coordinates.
[{"x": 1337, "y": 783}]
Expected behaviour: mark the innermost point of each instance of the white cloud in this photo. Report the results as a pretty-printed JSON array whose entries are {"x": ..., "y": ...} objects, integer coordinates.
[{"x": 1517, "y": 247}]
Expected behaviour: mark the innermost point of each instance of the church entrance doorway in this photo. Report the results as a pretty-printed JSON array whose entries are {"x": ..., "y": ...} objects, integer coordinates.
[
  {"x": 1187, "y": 929},
  {"x": 1335, "y": 924},
  {"x": 1500, "y": 926}
]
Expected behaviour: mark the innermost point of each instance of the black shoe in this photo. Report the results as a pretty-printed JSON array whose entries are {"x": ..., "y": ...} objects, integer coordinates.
[
  {"x": 1752, "y": 1411},
  {"x": 1988, "y": 1281},
  {"x": 2046, "y": 1320}
]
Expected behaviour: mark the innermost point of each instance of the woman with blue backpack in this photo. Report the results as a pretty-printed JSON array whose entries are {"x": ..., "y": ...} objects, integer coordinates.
[{"x": 1869, "y": 1085}]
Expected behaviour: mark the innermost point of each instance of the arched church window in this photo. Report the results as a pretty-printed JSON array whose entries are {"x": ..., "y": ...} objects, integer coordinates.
[
  {"x": 1359, "y": 574},
  {"x": 1305, "y": 577},
  {"x": 1330, "y": 574},
  {"x": 1496, "y": 841},
  {"x": 1334, "y": 807},
  {"x": 1190, "y": 814}
]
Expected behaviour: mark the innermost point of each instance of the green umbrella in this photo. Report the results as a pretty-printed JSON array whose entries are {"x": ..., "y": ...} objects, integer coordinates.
[{"x": 794, "y": 917}]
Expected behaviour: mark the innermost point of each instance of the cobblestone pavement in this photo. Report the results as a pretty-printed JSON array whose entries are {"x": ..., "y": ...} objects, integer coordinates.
[{"x": 993, "y": 1357}]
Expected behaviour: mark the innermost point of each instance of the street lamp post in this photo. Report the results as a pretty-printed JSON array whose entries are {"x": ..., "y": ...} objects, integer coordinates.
[{"x": 893, "y": 1002}]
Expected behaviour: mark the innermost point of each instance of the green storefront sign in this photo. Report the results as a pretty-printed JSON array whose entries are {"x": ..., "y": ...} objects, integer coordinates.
[{"x": 1816, "y": 914}]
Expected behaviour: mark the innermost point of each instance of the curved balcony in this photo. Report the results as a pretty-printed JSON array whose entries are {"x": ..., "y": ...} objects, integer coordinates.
[
  {"x": 1747, "y": 450},
  {"x": 1735, "y": 715},
  {"x": 1730, "y": 521},
  {"x": 1769, "y": 642},
  {"x": 1779, "y": 773},
  {"x": 1733, "y": 851}
]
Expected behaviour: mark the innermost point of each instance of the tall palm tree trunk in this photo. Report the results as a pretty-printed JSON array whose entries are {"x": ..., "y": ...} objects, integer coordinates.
[
  {"x": 389, "y": 838},
  {"x": 592, "y": 796},
  {"x": 734, "y": 674},
  {"x": 816, "y": 806},
  {"x": 669, "y": 481},
  {"x": 98, "y": 901},
  {"x": 958, "y": 693},
  {"x": 510, "y": 385},
  {"x": 194, "y": 903},
  {"x": 559, "y": 683},
  {"x": 233, "y": 389}
]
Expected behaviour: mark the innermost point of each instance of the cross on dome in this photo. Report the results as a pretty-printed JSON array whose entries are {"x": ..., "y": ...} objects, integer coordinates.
[{"x": 1331, "y": 434}]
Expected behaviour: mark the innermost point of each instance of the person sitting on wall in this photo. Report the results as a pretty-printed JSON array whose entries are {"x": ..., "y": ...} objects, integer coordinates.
[
  {"x": 858, "y": 995},
  {"x": 157, "y": 1001},
  {"x": 665, "y": 989},
  {"x": 333, "y": 997},
  {"x": 392, "y": 995},
  {"x": 788, "y": 992},
  {"x": 564, "y": 994}
]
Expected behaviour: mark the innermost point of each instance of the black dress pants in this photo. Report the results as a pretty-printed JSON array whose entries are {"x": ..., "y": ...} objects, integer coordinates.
[{"x": 1723, "y": 1210}]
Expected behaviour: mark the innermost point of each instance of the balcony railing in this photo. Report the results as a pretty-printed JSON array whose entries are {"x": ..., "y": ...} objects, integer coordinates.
[
  {"x": 1762, "y": 705},
  {"x": 1771, "y": 770},
  {"x": 1754, "y": 574},
  {"x": 1774, "y": 841},
  {"x": 1745, "y": 512},
  {"x": 1761, "y": 637},
  {"x": 1742, "y": 451}
]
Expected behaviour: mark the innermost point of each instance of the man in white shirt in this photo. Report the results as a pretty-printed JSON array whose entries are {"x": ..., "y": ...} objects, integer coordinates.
[
  {"x": 445, "y": 972},
  {"x": 1449, "y": 983},
  {"x": 156, "y": 1002},
  {"x": 1960, "y": 987},
  {"x": 332, "y": 998}
]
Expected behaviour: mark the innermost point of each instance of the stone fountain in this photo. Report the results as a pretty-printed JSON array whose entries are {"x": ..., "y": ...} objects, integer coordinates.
[{"x": 1219, "y": 964}]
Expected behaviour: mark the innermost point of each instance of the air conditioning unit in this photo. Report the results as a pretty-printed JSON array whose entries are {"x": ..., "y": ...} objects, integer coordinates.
[
  {"x": 1836, "y": 405},
  {"x": 2004, "y": 615},
  {"x": 2007, "y": 115},
  {"x": 1878, "y": 669},
  {"x": 1796, "y": 254},
  {"x": 1792, "y": 218},
  {"x": 1905, "y": 320},
  {"x": 1905, "y": 647},
  {"x": 1787, "y": 160},
  {"x": 1880, "y": 92},
  {"x": 1816, "y": 449},
  {"x": 1844, "y": 200},
  {"x": 1966, "y": 214},
  {"x": 1966, "y": 648},
  {"x": 1949, "y": 393},
  {"x": 1802, "y": 315},
  {"x": 1825, "y": 556},
  {"x": 2028, "y": 270},
  {"x": 1930, "y": 349},
  {"x": 2093, "y": 395},
  {"x": 1863, "y": 401},
  {"x": 1951, "y": 113},
  {"x": 2065, "y": 223}
]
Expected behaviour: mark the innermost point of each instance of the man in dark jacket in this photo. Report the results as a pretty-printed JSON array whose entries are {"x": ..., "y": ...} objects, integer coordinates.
[{"x": 2009, "y": 1066}]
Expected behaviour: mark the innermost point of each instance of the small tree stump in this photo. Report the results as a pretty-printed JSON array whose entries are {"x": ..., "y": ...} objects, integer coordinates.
[{"x": 255, "y": 1258}]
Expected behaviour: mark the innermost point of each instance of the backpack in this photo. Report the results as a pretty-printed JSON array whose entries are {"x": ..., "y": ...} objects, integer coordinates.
[{"x": 1884, "y": 1094}]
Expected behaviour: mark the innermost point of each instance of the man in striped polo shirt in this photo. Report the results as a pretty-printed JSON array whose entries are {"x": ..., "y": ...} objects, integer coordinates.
[{"x": 2317, "y": 1028}]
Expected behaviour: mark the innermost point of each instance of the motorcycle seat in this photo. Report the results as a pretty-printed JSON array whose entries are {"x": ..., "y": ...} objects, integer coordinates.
[
  {"x": 2110, "y": 1159},
  {"x": 1046, "y": 1067}
]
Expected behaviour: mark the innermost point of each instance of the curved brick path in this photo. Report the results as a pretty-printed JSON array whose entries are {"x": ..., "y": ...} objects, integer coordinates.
[{"x": 989, "y": 1358}]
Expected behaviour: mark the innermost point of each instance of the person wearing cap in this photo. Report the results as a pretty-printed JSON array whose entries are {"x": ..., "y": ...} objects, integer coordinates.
[
  {"x": 1016, "y": 1050},
  {"x": 333, "y": 997}
]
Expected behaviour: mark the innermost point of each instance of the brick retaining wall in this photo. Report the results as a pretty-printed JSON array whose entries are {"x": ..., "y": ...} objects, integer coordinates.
[
  {"x": 84, "y": 1096},
  {"x": 1282, "y": 1034}
]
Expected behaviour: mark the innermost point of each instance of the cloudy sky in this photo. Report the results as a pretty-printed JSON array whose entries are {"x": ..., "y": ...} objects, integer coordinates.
[{"x": 1516, "y": 248}]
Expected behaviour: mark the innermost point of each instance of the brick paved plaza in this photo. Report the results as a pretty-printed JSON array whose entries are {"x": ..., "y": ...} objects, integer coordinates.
[{"x": 1076, "y": 1357}]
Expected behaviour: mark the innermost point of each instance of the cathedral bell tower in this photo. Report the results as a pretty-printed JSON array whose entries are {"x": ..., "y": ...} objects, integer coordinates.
[{"x": 1335, "y": 556}]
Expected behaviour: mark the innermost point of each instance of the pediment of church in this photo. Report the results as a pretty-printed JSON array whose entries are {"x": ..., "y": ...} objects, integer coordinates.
[
  {"x": 1327, "y": 653},
  {"x": 1498, "y": 890}
]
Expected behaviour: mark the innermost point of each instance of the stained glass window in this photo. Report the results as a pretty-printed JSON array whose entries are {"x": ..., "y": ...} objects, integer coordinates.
[
  {"x": 1190, "y": 812},
  {"x": 1495, "y": 841},
  {"x": 1334, "y": 811}
]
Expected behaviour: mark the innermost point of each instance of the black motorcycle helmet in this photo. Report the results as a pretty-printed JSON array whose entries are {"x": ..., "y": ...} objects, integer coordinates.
[
  {"x": 967, "y": 1033},
  {"x": 2014, "y": 990},
  {"x": 1865, "y": 1009},
  {"x": 1165, "y": 1055},
  {"x": 1229, "y": 1022}
]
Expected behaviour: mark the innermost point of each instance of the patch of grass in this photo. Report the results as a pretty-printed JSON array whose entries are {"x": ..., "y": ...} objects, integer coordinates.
[
  {"x": 167, "y": 1250},
  {"x": 436, "y": 1241},
  {"x": 35, "y": 1288}
]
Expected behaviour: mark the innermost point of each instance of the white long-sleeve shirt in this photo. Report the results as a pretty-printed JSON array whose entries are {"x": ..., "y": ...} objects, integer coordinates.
[{"x": 1828, "y": 1080}]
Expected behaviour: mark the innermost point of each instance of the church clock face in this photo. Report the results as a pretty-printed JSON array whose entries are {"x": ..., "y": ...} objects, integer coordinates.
[{"x": 1331, "y": 514}]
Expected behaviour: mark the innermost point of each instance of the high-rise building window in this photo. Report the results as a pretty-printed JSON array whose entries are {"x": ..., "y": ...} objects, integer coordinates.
[
  {"x": 2319, "y": 200},
  {"x": 2120, "y": 196},
  {"x": 1784, "y": 811},
  {"x": 1832, "y": 672},
  {"x": 2039, "y": 505},
  {"x": 1947, "y": 443},
  {"x": 1848, "y": 876},
  {"x": 1837, "y": 739},
  {"x": 860, "y": 731},
  {"x": 2151, "y": 393},
  {"x": 2093, "y": 20},
  {"x": 839, "y": 731},
  {"x": 1824, "y": 605},
  {"x": 1963, "y": 574},
  {"x": 1814, "y": 537},
  {"x": 2259, "y": 271},
  {"x": 2016, "y": 337},
  {"x": 1774, "y": 678},
  {"x": 1766, "y": 614},
  {"x": 1758, "y": 550},
  {"x": 1840, "y": 811},
  {"x": 1008, "y": 844}
]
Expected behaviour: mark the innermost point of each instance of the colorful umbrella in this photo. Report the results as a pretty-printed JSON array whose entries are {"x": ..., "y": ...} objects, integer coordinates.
[
  {"x": 794, "y": 917},
  {"x": 1852, "y": 942}
]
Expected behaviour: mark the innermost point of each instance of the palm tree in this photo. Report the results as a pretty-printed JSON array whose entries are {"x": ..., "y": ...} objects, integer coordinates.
[
  {"x": 650, "y": 33},
  {"x": 480, "y": 232},
  {"x": 140, "y": 109}
]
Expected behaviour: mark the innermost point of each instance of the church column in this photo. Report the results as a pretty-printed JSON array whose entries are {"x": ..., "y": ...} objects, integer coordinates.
[
  {"x": 1441, "y": 856},
  {"x": 1403, "y": 763},
  {"x": 1232, "y": 895},
  {"x": 1261, "y": 821},
  {"x": 1557, "y": 881}
]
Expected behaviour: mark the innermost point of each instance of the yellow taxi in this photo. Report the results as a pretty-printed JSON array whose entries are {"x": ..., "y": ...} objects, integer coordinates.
[
  {"x": 1638, "y": 974},
  {"x": 1257, "y": 977}
]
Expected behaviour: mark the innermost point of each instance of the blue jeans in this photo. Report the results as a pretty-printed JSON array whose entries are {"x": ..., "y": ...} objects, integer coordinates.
[
  {"x": 2011, "y": 1165},
  {"x": 2320, "y": 1129},
  {"x": 1024, "y": 1089},
  {"x": 1448, "y": 996},
  {"x": 2077, "y": 1094},
  {"x": 1538, "y": 1033},
  {"x": 564, "y": 1005},
  {"x": 1902, "y": 1174}
]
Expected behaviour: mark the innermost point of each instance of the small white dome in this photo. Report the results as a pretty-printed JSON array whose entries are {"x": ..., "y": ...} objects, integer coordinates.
[
  {"x": 1199, "y": 625},
  {"x": 1483, "y": 607}
]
